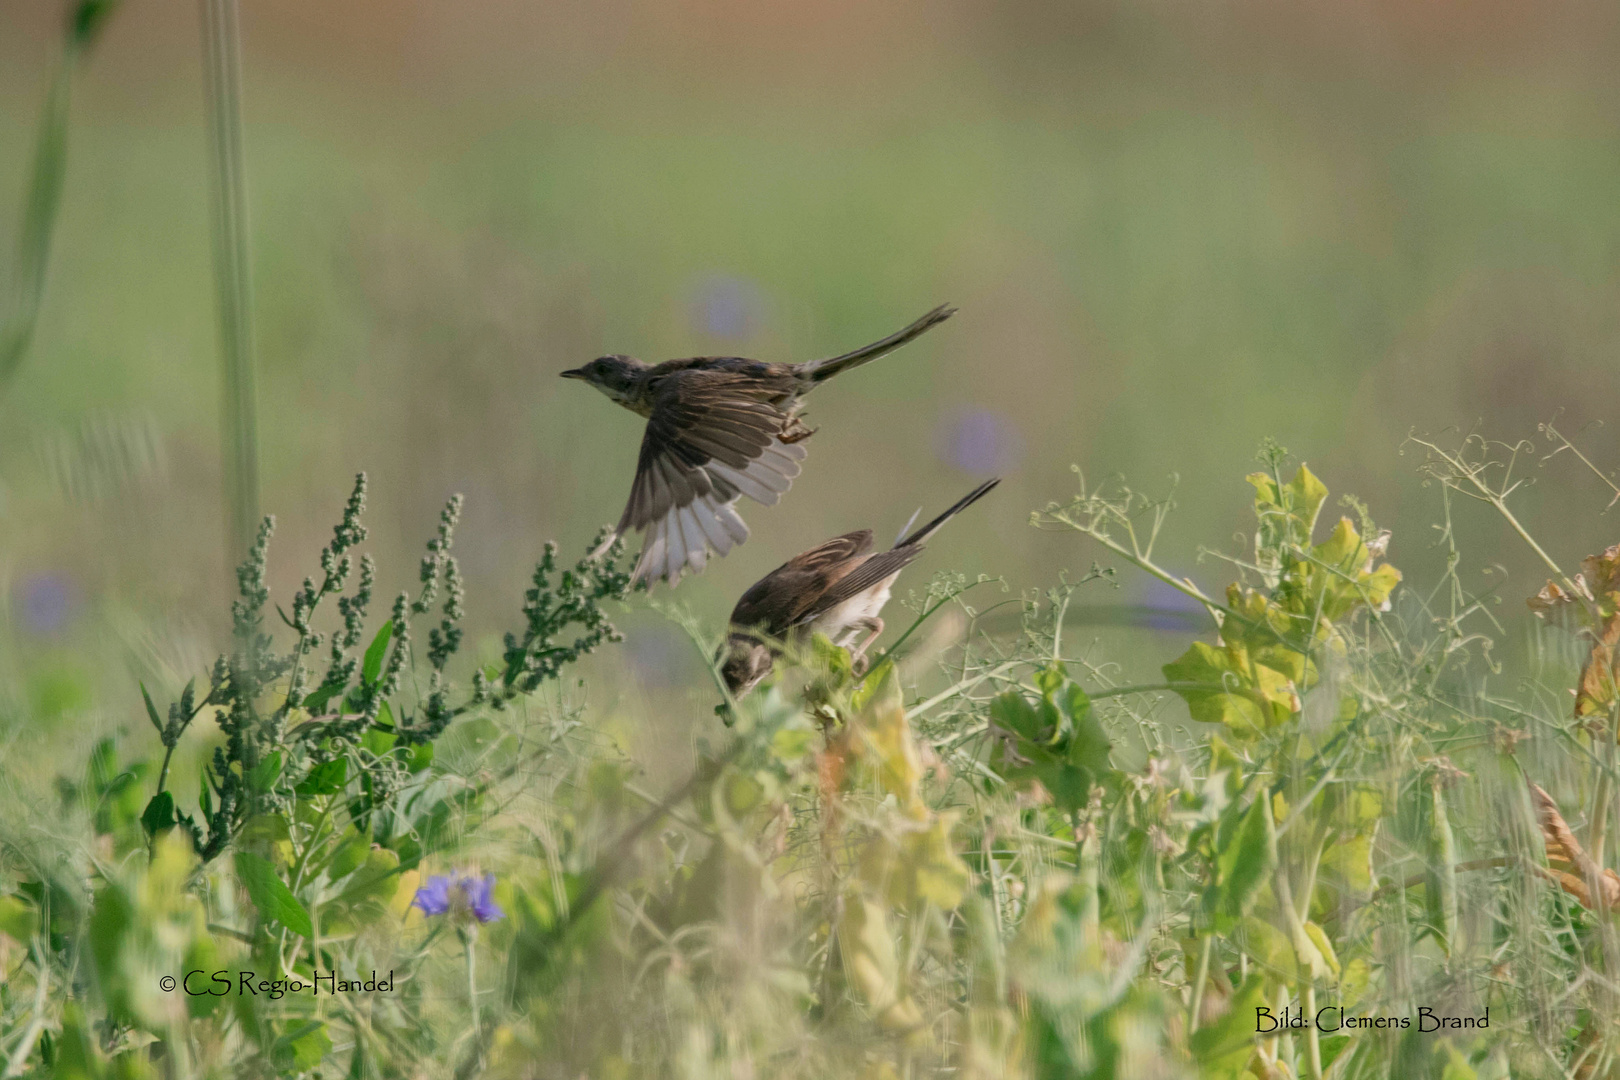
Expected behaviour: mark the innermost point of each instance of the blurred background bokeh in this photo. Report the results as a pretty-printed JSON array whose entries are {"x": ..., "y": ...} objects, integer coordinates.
[{"x": 1172, "y": 228}]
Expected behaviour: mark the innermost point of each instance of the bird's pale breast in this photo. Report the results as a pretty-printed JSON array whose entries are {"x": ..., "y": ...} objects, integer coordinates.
[{"x": 835, "y": 621}]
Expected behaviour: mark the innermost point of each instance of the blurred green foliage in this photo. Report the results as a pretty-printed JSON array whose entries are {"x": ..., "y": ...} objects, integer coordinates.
[
  {"x": 1168, "y": 237},
  {"x": 1170, "y": 231},
  {"x": 1036, "y": 871}
]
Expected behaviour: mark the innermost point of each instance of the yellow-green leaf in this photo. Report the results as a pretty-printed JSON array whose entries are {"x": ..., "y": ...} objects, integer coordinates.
[
  {"x": 870, "y": 962},
  {"x": 18, "y": 919},
  {"x": 1324, "y": 947}
]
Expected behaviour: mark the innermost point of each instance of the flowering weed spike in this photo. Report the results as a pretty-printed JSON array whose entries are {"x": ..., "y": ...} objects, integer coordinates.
[{"x": 271, "y": 716}]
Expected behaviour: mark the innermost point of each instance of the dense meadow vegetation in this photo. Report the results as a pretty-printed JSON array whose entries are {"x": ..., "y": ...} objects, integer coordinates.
[
  {"x": 360, "y": 856},
  {"x": 1284, "y": 812}
]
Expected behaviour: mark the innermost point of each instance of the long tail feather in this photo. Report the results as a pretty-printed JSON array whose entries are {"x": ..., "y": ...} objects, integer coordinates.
[
  {"x": 822, "y": 370},
  {"x": 921, "y": 535}
]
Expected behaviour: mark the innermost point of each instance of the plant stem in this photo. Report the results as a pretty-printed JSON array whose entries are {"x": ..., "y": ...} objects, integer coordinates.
[
  {"x": 39, "y": 221},
  {"x": 1197, "y": 1004},
  {"x": 469, "y": 941},
  {"x": 1147, "y": 565},
  {"x": 1313, "y": 1045},
  {"x": 163, "y": 773},
  {"x": 223, "y": 67},
  {"x": 25, "y": 1045},
  {"x": 21, "y": 307}
]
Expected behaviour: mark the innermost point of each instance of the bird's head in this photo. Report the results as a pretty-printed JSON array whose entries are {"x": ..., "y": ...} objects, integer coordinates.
[
  {"x": 613, "y": 375},
  {"x": 747, "y": 661}
]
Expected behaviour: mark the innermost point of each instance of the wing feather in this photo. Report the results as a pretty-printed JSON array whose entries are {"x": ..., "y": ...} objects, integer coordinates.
[
  {"x": 707, "y": 516},
  {"x": 731, "y": 521},
  {"x": 712, "y": 437},
  {"x": 776, "y": 603},
  {"x": 868, "y": 574},
  {"x": 747, "y": 483},
  {"x": 697, "y": 549},
  {"x": 674, "y": 548}
]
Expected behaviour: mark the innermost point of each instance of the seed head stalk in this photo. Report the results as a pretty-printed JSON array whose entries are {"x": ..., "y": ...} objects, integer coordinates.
[{"x": 239, "y": 425}]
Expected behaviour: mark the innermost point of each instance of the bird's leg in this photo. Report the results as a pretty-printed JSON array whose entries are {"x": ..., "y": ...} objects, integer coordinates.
[
  {"x": 857, "y": 659},
  {"x": 795, "y": 432}
]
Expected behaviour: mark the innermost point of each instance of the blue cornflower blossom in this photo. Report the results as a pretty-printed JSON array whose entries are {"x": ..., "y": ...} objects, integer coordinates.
[{"x": 474, "y": 895}]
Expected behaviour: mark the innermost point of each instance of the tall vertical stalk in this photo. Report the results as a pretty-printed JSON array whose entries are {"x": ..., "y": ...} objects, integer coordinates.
[
  {"x": 239, "y": 426},
  {"x": 27, "y": 280}
]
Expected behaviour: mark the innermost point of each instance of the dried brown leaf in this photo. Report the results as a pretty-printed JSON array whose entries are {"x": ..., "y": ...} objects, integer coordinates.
[{"x": 1563, "y": 847}]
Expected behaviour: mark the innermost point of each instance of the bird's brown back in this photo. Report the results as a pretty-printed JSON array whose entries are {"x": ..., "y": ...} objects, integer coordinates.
[
  {"x": 781, "y": 376},
  {"x": 787, "y": 595}
]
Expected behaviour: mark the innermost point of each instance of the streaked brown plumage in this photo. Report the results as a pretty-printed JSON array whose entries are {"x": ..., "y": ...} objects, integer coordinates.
[
  {"x": 836, "y": 588},
  {"x": 718, "y": 428}
]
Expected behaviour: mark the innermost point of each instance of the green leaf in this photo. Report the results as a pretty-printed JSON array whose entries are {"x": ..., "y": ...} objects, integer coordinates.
[
  {"x": 1089, "y": 745},
  {"x": 377, "y": 743},
  {"x": 304, "y": 1047},
  {"x": 791, "y": 744},
  {"x": 918, "y": 866},
  {"x": 872, "y": 684},
  {"x": 1324, "y": 945},
  {"x": 1224, "y": 1048},
  {"x": 351, "y": 852},
  {"x": 159, "y": 813},
  {"x": 1266, "y": 946},
  {"x": 103, "y": 766},
  {"x": 1012, "y": 712},
  {"x": 1442, "y": 884},
  {"x": 18, "y": 919},
  {"x": 151, "y": 709},
  {"x": 264, "y": 829},
  {"x": 270, "y": 895},
  {"x": 263, "y": 776},
  {"x": 871, "y": 965},
  {"x": 1203, "y": 663},
  {"x": 376, "y": 879},
  {"x": 316, "y": 701},
  {"x": 1238, "y": 708},
  {"x": 326, "y": 778},
  {"x": 112, "y": 922},
  {"x": 1349, "y": 862},
  {"x": 1309, "y": 494},
  {"x": 421, "y": 757},
  {"x": 1222, "y": 759},
  {"x": 372, "y": 666},
  {"x": 1457, "y": 1066},
  {"x": 830, "y": 658},
  {"x": 88, "y": 19},
  {"x": 1245, "y": 860}
]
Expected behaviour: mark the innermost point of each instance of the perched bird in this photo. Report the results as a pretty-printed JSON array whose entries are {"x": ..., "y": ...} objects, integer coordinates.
[
  {"x": 836, "y": 588},
  {"x": 718, "y": 428}
]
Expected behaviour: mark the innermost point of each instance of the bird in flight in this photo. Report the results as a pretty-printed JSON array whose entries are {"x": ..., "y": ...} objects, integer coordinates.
[
  {"x": 837, "y": 588},
  {"x": 718, "y": 428}
]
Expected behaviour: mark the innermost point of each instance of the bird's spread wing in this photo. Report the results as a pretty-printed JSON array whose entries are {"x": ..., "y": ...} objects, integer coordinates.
[
  {"x": 868, "y": 575},
  {"x": 780, "y": 600},
  {"x": 712, "y": 437}
]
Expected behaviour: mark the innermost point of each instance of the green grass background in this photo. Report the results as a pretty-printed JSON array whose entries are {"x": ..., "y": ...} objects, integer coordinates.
[{"x": 1172, "y": 229}]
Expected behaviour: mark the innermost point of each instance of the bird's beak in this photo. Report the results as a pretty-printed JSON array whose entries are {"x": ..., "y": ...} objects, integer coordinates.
[{"x": 574, "y": 373}]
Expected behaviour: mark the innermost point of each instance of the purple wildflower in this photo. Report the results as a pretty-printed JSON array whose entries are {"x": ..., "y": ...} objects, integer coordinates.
[
  {"x": 979, "y": 441},
  {"x": 480, "y": 893},
  {"x": 434, "y": 897},
  {"x": 726, "y": 307},
  {"x": 47, "y": 603},
  {"x": 462, "y": 893}
]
